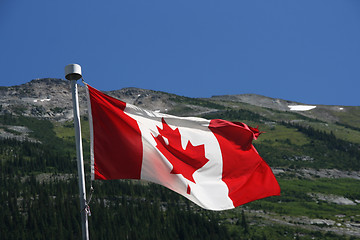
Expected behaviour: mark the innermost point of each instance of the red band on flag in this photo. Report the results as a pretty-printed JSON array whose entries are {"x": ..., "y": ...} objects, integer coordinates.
[
  {"x": 245, "y": 173},
  {"x": 117, "y": 145}
]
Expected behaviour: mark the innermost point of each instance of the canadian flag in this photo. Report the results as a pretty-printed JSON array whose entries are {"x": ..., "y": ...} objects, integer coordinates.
[{"x": 211, "y": 162}]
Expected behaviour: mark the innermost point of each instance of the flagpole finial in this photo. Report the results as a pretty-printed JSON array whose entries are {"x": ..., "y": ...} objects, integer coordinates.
[{"x": 73, "y": 72}]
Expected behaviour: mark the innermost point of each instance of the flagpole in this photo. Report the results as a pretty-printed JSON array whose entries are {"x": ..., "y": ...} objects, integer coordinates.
[{"x": 73, "y": 73}]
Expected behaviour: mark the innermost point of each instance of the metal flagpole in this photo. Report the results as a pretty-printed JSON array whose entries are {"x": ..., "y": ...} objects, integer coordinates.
[{"x": 73, "y": 73}]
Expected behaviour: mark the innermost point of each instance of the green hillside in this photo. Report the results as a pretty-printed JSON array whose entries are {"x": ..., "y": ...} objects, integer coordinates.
[{"x": 39, "y": 188}]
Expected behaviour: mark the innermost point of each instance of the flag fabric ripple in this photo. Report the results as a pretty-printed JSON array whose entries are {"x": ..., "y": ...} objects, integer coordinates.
[{"x": 211, "y": 162}]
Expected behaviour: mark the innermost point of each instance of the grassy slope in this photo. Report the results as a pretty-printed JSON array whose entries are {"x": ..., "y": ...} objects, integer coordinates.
[{"x": 295, "y": 199}]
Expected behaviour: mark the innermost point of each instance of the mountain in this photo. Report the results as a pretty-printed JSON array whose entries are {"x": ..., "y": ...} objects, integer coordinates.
[
  {"x": 314, "y": 151},
  {"x": 51, "y": 98}
]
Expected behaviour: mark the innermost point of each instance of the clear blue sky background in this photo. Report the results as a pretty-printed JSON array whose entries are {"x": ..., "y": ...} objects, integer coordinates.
[{"x": 306, "y": 51}]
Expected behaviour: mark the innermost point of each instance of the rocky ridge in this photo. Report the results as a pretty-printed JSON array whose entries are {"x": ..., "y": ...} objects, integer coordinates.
[
  {"x": 51, "y": 98},
  {"x": 327, "y": 113}
]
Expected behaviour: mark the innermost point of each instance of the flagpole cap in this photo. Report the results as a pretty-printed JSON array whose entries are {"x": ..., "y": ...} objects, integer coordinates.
[{"x": 73, "y": 72}]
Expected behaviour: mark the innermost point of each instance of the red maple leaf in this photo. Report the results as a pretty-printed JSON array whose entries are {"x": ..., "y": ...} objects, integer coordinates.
[{"x": 184, "y": 161}]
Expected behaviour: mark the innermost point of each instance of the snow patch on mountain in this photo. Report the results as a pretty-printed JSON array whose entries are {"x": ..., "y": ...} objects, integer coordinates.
[
  {"x": 42, "y": 100},
  {"x": 301, "y": 107}
]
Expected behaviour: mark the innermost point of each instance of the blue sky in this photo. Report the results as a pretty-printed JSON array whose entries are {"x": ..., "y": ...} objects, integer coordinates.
[{"x": 306, "y": 51}]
